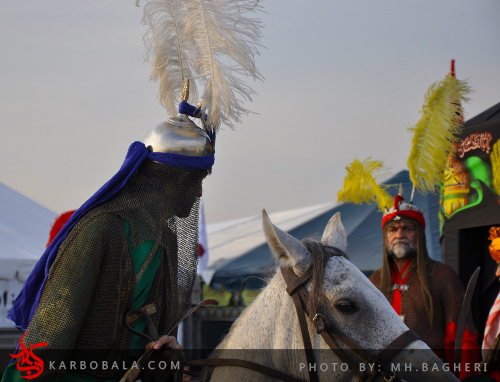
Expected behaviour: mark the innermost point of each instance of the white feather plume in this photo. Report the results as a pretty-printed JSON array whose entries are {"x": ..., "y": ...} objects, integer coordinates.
[
  {"x": 168, "y": 49},
  {"x": 213, "y": 43},
  {"x": 225, "y": 43}
]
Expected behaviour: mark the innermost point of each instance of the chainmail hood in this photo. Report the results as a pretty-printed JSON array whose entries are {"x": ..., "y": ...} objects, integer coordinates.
[{"x": 91, "y": 283}]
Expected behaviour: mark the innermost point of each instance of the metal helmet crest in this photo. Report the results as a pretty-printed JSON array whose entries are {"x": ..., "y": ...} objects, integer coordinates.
[{"x": 179, "y": 135}]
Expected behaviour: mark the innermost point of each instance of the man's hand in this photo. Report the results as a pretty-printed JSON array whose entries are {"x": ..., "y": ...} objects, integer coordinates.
[
  {"x": 171, "y": 354},
  {"x": 164, "y": 340}
]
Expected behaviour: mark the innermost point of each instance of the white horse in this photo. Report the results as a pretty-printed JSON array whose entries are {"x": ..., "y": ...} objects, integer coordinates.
[{"x": 353, "y": 306}]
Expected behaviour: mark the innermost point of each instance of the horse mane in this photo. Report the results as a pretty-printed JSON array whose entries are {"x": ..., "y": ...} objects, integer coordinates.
[{"x": 320, "y": 254}]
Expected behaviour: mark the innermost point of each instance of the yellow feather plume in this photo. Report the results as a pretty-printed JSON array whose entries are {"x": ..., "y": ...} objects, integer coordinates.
[
  {"x": 361, "y": 185},
  {"x": 436, "y": 131},
  {"x": 495, "y": 166}
]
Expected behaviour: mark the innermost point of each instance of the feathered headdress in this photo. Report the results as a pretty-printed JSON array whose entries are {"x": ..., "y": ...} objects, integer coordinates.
[
  {"x": 361, "y": 184},
  {"x": 495, "y": 166},
  {"x": 434, "y": 134},
  {"x": 213, "y": 44}
]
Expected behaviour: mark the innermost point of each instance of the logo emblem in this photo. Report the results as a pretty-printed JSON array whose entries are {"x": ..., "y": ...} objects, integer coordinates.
[{"x": 27, "y": 361}]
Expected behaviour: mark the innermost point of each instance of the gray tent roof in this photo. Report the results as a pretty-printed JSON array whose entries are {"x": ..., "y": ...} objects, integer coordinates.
[
  {"x": 364, "y": 241},
  {"x": 24, "y": 230}
]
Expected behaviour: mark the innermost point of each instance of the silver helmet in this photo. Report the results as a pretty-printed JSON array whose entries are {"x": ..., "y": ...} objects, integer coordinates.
[{"x": 179, "y": 135}]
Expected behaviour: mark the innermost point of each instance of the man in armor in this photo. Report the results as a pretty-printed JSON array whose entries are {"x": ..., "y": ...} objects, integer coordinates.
[
  {"x": 132, "y": 245},
  {"x": 425, "y": 293}
]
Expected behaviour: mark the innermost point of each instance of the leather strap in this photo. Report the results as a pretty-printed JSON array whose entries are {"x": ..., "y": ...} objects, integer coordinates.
[
  {"x": 384, "y": 357},
  {"x": 297, "y": 285},
  {"x": 153, "y": 333},
  {"x": 296, "y": 289},
  {"x": 294, "y": 282},
  {"x": 313, "y": 376},
  {"x": 390, "y": 351},
  {"x": 343, "y": 357},
  {"x": 132, "y": 374},
  {"x": 148, "y": 309},
  {"x": 245, "y": 364}
]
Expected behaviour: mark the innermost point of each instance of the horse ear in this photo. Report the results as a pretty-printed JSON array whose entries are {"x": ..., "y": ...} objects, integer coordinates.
[
  {"x": 285, "y": 247},
  {"x": 335, "y": 235}
]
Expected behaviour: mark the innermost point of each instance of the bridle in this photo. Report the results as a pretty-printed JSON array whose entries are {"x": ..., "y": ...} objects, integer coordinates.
[{"x": 297, "y": 290}]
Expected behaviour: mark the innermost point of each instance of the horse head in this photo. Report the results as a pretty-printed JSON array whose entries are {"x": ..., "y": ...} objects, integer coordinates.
[{"x": 343, "y": 309}]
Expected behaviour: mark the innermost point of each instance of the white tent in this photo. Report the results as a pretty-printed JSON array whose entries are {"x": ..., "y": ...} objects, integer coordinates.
[
  {"x": 24, "y": 231},
  {"x": 228, "y": 240},
  {"x": 238, "y": 250}
]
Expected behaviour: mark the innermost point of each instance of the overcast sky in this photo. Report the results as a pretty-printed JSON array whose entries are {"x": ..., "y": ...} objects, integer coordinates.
[{"x": 344, "y": 79}]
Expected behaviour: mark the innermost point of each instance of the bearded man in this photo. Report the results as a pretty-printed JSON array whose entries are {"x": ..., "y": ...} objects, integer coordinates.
[{"x": 425, "y": 293}]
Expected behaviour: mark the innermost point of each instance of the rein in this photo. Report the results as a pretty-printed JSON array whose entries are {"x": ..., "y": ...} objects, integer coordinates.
[{"x": 296, "y": 289}]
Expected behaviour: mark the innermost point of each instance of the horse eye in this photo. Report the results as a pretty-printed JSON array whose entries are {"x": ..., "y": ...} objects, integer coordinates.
[{"x": 346, "y": 306}]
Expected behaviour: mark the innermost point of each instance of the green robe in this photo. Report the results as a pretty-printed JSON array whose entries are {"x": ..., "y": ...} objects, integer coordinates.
[{"x": 143, "y": 286}]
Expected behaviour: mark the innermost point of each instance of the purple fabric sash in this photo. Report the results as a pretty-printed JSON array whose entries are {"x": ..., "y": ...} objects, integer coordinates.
[{"x": 26, "y": 303}]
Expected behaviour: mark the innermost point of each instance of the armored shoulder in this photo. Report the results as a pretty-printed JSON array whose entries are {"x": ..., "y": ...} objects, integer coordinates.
[
  {"x": 447, "y": 277},
  {"x": 88, "y": 240},
  {"x": 92, "y": 226}
]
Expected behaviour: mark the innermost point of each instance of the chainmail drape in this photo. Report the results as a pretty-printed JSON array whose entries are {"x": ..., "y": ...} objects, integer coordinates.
[{"x": 91, "y": 284}]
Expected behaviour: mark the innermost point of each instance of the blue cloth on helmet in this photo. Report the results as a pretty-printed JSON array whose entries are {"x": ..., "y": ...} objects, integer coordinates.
[
  {"x": 184, "y": 161},
  {"x": 26, "y": 303},
  {"x": 187, "y": 109},
  {"x": 193, "y": 111}
]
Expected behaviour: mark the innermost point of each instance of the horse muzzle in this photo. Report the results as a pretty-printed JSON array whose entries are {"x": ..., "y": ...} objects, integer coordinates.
[{"x": 417, "y": 363}]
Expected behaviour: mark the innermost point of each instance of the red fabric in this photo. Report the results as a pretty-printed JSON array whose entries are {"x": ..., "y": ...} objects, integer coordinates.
[
  {"x": 492, "y": 329},
  {"x": 417, "y": 215},
  {"x": 201, "y": 250},
  {"x": 58, "y": 224},
  {"x": 495, "y": 375},
  {"x": 396, "y": 278},
  {"x": 470, "y": 349},
  {"x": 398, "y": 199}
]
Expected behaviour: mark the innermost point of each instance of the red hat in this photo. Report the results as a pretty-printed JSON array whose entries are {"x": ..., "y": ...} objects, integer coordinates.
[
  {"x": 58, "y": 224},
  {"x": 401, "y": 210}
]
